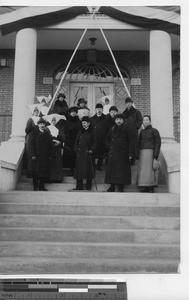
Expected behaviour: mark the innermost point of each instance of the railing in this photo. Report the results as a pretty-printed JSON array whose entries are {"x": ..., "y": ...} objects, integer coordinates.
[
  {"x": 5, "y": 127},
  {"x": 176, "y": 123}
]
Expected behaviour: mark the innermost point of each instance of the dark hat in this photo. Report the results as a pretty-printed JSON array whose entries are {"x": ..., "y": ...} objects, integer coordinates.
[
  {"x": 41, "y": 120},
  {"x": 86, "y": 119},
  {"x": 61, "y": 95},
  {"x": 73, "y": 108},
  {"x": 99, "y": 105},
  {"x": 113, "y": 108},
  {"x": 119, "y": 116},
  {"x": 81, "y": 100},
  {"x": 128, "y": 99}
]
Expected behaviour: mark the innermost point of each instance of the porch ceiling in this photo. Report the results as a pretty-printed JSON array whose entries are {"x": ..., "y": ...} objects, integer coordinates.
[{"x": 67, "y": 39}]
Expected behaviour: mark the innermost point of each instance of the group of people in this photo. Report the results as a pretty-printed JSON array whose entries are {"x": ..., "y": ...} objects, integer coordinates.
[{"x": 71, "y": 138}]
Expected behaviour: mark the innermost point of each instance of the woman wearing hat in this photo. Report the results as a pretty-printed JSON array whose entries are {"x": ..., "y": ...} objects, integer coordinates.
[
  {"x": 56, "y": 170},
  {"x": 84, "y": 147},
  {"x": 40, "y": 147},
  {"x": 72, "y": 127},
  {"x": 60, "y": 106},
  {"x": 120, "y": 143},
  {"x": 83, "y": 110},
  {"x": 149, "y": 145}
]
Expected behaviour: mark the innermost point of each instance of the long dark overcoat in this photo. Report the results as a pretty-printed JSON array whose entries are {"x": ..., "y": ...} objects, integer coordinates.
[
  {"x": 72, "y": 127},
  {"x": 39, "y": 145},
  {"x": 84, "y": 142},
  {"x": 120, "y": 141},
  {"x": 100, "y": 131},
  {"x": 133, "y": 116}
]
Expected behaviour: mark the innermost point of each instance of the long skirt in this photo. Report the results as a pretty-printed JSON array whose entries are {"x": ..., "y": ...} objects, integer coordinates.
[{"x": 147, "y": 176}]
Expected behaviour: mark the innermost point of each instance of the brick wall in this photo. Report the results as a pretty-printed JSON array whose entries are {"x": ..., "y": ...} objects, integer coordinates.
[{"x": 136, "y": 63}]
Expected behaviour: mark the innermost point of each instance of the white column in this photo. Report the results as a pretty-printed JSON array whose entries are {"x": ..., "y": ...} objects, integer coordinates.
[
  {"x": 24, "y": 80},
  {"x": 161, "y": 83}
]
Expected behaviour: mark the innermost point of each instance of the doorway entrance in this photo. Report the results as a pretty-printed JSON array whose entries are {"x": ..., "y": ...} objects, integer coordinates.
[{"x": 91, "y": 92}]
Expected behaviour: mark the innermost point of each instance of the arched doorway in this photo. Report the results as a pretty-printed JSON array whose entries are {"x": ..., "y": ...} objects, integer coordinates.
[{"x": 93, "y": 82}]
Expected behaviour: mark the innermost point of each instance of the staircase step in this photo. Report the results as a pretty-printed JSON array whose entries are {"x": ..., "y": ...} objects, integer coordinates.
[
  {"x": 102, "y": 187},
  {"x": 70, "y": 221},
  {"x": 48, "y": 265},
  {"x": 88, "y": 198},
  {"x": 58, "y": 209},
  {"x": 89, "y": 235},
  {"x": 88, "y": 250}
]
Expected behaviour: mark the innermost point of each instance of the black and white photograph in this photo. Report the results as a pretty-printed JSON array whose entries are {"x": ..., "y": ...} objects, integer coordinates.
[{"x": 90, "y": 156}]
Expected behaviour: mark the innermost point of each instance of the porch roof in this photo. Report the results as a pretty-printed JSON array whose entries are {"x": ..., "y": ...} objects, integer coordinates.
[{"x": 165, "y": 18}]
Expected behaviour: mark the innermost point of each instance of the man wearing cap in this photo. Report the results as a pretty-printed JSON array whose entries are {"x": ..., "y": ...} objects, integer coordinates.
[
  {"x": 133, "y": 116},
  {"x": 100, "y": 127},
  {"x": 120, "y": 143},
  {"x": 72, "y": 127},
  {"x": 40, "y": 144},
  {"x": 110, "y": 117},
  {"x": 84, "y": 147}
]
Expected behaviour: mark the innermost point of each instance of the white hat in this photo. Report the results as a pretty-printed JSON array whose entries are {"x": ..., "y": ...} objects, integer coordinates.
[
  {"x": 33, "y": 106},
  {"x": 49, "y": 118}
]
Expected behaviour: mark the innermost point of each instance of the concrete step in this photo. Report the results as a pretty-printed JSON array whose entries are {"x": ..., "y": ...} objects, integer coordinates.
[
  {"x": 92, "y": 199},
  {"x": 88, "y": 250},
  {"x": 48, "y": 265},
  {"x": 58, "y": 209},
  {"x": 92, "y": 222},
  {"x": 81, "y": 235},
  {"x": 102, "y": 187}
]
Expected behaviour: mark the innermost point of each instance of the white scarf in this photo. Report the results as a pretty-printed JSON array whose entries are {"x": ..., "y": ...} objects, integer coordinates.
[{"x": 53, "y": 130}]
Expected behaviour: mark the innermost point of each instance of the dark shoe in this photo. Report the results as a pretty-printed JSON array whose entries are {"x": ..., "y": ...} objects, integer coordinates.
[
  {"x": 111, "y": 189},
  {"x": 77, "y": 189},
  {"x": 43, "y": 189},
  {"x": 120, "y": 190},
  {"x": 151, "y": 189},
  {"x": 145, "y": 190},
  {"x": 88, "y": 188},
  {"x": 35, "y": 189}
]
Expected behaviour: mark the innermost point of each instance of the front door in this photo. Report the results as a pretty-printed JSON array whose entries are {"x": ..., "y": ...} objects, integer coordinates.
[{"x": 91, "y": 92}]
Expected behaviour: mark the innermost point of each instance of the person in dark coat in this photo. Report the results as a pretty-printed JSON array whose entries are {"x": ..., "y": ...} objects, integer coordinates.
[
  {"x": 133, "y": 116},
  {"x": 100, "y": 128},
  {"x": 84, "y": 147},
  {"x": 149, "y": 145},
  {"x": 40, "y": 151},
  {"x": 110, "y": 117},
  {"x": 60, "y": 106},
  {"x": 56, "y": 170},
  {"x": 120, "y": 142},
  {"x": 30, "y": 126},
  {"x": 72, "y": 127}
]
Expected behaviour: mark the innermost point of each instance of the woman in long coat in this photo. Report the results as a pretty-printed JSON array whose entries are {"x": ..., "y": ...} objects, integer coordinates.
[
  {"x": 120, "y": 142},
  {"x": 40, "y": 146},
  {"x": 56, "y": 170},
  {"x": 84, "y": 147},
  {"x": 149, "y": 145}
]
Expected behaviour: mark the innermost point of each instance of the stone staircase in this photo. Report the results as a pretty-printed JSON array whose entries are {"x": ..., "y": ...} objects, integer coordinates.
[{"x": 58, "y": 232}]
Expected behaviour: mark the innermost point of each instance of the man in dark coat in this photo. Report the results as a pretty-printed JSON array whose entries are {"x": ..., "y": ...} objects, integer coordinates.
[
  {"x": 133, "y": 116},
  {"x": 71, "y": 129},
  {"x": 100, "y": 128},
  {"x": 84, "y": 147},
  {"x": 40, "y": 145},
  {"x": 121, "y": 150}
]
